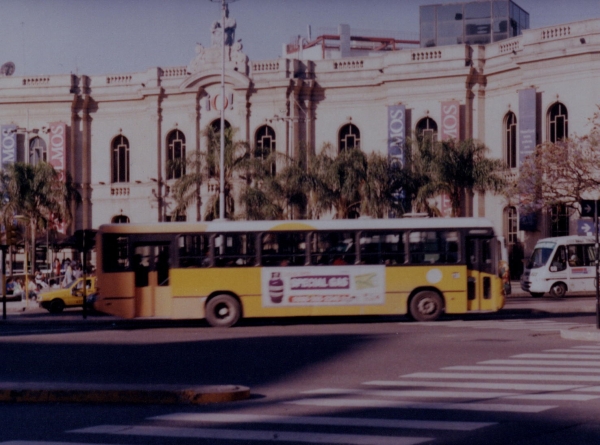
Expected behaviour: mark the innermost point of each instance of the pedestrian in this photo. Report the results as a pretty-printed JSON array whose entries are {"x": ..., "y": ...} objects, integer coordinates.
[
  {"x": 56, "y": 268},
  {"x": 68, "y": 279}
]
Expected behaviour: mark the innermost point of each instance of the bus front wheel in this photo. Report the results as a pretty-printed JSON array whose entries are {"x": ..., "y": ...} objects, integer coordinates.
[
  {"x": 223, "y": 311},
  {"x": 426, "y": 306}
]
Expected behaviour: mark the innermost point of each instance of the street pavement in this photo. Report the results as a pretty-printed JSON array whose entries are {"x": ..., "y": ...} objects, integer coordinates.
[{"x": 24, "y": 313}]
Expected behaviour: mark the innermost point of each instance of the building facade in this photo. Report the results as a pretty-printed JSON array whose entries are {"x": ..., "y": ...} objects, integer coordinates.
[{"x": 121, "y": 131}]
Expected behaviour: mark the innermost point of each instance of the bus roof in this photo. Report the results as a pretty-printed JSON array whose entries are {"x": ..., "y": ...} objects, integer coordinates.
[{"x": 474, "y": 224}]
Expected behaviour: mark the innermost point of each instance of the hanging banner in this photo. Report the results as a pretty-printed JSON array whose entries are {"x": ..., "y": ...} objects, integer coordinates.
[
  {"x": 396, "y": 134},
  {"x": 527, "y": 121},
  {"x": 450, "y": 130},
  {"x": 450, "y": 120},
  {"x": 396, "y": 142},
  {"x": 57, "y": 157},
  {"x": 57, "y": 153},
  {"x": 8, "y": 144}
]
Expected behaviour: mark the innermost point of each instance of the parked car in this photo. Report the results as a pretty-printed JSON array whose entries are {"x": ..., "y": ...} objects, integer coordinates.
[{"x": 55, "y": 300}]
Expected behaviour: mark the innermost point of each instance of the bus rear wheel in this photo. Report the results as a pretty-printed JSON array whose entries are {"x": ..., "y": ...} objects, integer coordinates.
[
  {"x": 223, "y": 311},
  {"x": 426, "y": 306},
  {"x": 558, "y": 290}
]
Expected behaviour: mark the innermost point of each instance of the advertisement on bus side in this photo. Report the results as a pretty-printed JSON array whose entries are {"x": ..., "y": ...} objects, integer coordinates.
[{"x": 323, "y": 286}]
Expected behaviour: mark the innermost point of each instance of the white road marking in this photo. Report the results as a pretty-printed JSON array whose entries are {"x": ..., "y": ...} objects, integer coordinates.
[
  {"x": 492, "y": 376},
  {"x": 540, "y": 362},
  {"x": 555, "y": 356},
  {"x": 478, "y": 385},
  {"x": 521, "y": 368},
  {"x": 328, "y": 421},
  {"x": 368, "y": 403},
  {"x": 415, "y": 394},
  {"x": 251, "y": 435}
]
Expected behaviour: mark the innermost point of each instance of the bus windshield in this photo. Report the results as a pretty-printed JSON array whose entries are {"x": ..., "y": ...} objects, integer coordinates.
[{"x": 539, "y": 257}]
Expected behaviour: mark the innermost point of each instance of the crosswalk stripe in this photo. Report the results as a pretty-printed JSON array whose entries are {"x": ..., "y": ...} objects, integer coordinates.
[
  {"x": 478, "y": 385},
  {"x": 251, "y": 435},
  {"x": 572, "y": 351},
  {"x": 455, "y": 394},
  {"x": 413, "y": 393},
  {"x": 554, "y": 397},
  {"x": 567, "y": 356},
  {"x": 540, "y": 362},
  {"x": 520, "y": 368},
  {"x": 328, "y": 421},
  {"x": 495, "y": 376},
  {"x": 373, "y": 403}
]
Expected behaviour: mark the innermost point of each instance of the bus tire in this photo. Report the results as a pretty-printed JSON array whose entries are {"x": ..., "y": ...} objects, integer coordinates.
[
  {"x": 56, "y": 306},
  {"x": 558, "y": 290},
  {"x": 426, "y": 305},
  {"x": 223, "y": 311}
]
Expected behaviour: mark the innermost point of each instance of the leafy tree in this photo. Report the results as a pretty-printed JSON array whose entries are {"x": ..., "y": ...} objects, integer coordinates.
[{"x": 561, "y": 173}]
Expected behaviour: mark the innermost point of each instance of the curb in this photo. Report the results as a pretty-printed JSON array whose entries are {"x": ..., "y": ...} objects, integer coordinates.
[
  {"x": 586, "y": 333},
  {"x": 160, "y": 395}
]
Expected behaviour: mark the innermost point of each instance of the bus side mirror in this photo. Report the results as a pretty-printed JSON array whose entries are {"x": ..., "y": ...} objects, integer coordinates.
[{"x": 553, "y": 269}]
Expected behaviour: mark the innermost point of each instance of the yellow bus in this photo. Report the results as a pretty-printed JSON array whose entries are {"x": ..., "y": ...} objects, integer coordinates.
[{"x": 222, "y": 271}]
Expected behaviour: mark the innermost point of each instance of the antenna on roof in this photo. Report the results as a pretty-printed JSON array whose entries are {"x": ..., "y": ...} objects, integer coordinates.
[
  {"x": 7, "y": 69},
  {"x": 309, "y": 33}
]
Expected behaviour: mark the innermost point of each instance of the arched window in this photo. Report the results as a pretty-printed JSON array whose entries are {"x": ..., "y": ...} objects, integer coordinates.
[
  {"x": 427, "y": 129},
  {"x": 120, "y": 219},
  {"x": 558, "y": 123},
  {"x": 214, "y": 145},
  {"x": 120, "y": 159},
  {"x": 510, "y": 140},
  {"x": 175, "y": 154},
  {"x": 265, "y": 144},
  {"x": 37, "y": 151},
  {"x": 349, "y": 137}
]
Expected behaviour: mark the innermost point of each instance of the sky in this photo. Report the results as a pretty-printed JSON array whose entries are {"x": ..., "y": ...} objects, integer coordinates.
[{"x": 122, "y": 36}]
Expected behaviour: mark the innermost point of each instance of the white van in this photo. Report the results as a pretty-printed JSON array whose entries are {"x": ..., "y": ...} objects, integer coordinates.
[{"x": 560, "y": 265}]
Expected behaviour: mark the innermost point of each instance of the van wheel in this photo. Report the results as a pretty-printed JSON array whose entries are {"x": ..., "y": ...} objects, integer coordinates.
[
  {"x": 558, "y": 290},
  {"x": 56, "y": 306},
  {"x": 223, "y": 311},
  {"x": 426, "y": 306}
]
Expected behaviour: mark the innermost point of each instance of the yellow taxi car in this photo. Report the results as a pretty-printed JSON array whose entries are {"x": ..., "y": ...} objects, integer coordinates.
[{"x": 55, "y": 300}]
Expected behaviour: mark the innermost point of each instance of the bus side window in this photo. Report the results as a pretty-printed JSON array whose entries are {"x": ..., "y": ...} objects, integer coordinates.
[
  {"x": 575, "y": 255},
  {"x": 333, "y": 248},
  {"x": 283, "y": 249},
  {"x": 559, "y": 262},
  {"x": 194, "y": 251}
]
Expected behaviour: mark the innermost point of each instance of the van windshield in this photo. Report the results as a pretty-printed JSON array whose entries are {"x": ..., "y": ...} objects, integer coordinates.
[{"x": 539, "y": 257}]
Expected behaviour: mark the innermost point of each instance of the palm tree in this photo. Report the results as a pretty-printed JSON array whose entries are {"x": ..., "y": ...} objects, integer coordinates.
[
  {"x": 384, "y": 189},
  {"x": 206, "y": 166},
  {"x": 338, "y": 181},
  {"x": 460, "y": 167},
  {"x": 36, "y": 196}
]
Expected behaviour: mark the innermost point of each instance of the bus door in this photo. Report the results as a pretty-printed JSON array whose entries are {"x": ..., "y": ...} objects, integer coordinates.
[
  {"x": 480, "y": 269},
  {"x": 151, "y": 263},
  {"x": 582, "y": 269}
]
